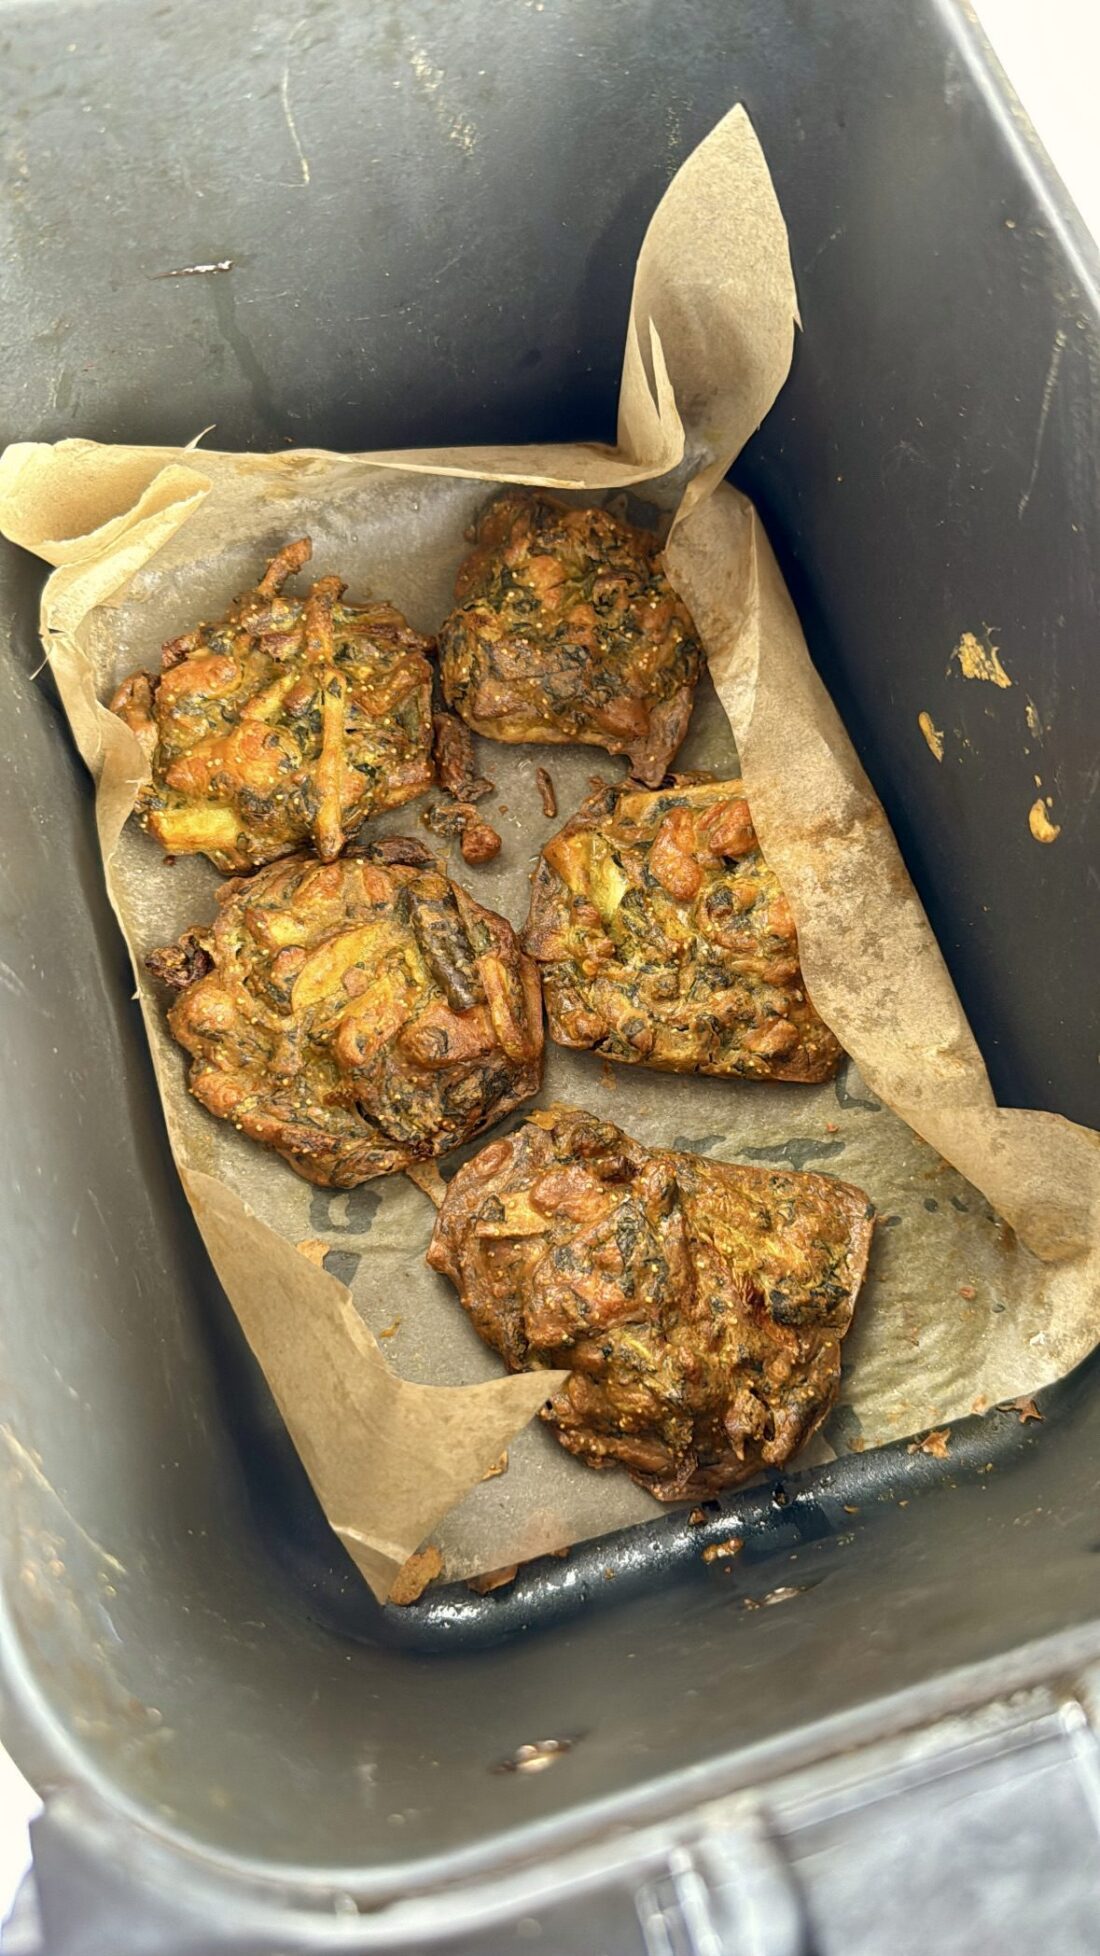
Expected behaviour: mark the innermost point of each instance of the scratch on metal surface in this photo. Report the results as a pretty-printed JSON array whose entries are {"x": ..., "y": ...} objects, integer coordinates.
[
  {"x": 1049, "y": 386},
  {"x": 10, "y": 981},
  {"x": 288, "y": 116},
  {"x": 27, "y": 1463},
  {"x": 199, "y": 271}
]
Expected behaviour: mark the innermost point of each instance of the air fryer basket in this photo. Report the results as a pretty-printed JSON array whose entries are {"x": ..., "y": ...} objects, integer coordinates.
[{"x": 429, "y": 215}]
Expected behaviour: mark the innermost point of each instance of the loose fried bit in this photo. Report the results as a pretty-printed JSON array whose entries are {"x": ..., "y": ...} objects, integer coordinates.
[
  {"x": 493, "y": 1579},
  {"x": 479, "y": 843},
  {"x": 968, "y": 1292},
  {"x": 566, "y": 629},
  {"x": 455, "y": 761},
  {"x": 719, "y": 1551},
  {"x": 699, "y": 1306},
  {"x": 546, "y": 790},
  {"x": 935, "y": 1443},
  {"x": 290, "y": 721},
  {"x": 1025, "y": 1408},
  {"x": 664, "y": 940},
  {"x": 697, "y": 1517},
  {"x": 316, "y": 1250},
  {"x": 390, "y": 1330},
  {"x": 414, "y": 1575},
  {"x": 179, "y": 965},
  {"x": 358, "y": 1016},
  {"x": 499, "y": 1466}
]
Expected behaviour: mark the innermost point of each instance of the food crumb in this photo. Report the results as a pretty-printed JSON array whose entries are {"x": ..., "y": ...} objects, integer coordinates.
[
  {"x": 391, "y": 1330},
  {"x": 547, "y": 793},
  {"x": 479, "y": 843},
  {"x": 313, "y": 1248},
  {"x": 718, "y": 1551},
  {"x": 607, "y": 1077},
  {"x": 934, "y": 1443},
  {"x": 697, "y": 1517},
  {"x": 979, "y": 659},
  {"x": 850, "y": 1509},
  {"x": 968, "y": 1291},
  {"x": 1025, "y": 1409},
  {"x": 414, "y": 1575},
  {"x": 832, "y": 1127},
  {"x": 1040, "y": 824},
  {"x": 609, "y": 1575},
  {"x": 493, "y": 1579},
  {"x": 933, "y": 735},
  {"x": 499, "y": 1466}
]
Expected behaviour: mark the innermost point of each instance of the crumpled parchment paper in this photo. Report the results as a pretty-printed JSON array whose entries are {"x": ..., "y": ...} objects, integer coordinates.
[{"x": 984, "y": 1275}]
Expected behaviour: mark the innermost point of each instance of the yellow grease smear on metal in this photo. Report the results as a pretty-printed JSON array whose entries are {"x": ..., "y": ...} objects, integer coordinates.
[
  {"x": 932, "y": 734},
  {"x": 1040, "y": 824},
  {"x": 979, "y": 659}
]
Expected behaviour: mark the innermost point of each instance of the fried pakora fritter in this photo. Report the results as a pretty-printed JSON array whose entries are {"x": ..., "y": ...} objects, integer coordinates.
[
  {"x": 698, "y": 1305},
  {"x": 356, "y": 1016},
  {"x": 663, "y": 939},
  {"x": 566, "y": 629},
  {"x": 288, "y": 723}
]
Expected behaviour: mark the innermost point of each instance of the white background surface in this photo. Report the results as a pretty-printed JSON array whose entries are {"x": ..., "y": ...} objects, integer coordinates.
[{"x": 1051, "y": 52}]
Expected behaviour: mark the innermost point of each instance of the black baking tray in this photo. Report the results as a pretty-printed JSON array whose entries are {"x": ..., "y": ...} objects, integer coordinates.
[{"x": 431, "y": 214}]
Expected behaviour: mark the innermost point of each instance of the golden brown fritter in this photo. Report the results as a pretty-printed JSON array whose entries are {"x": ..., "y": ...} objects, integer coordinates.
[
  {"x": 356, "y": 1016},
  {"x": 566, "y": 629},
  {"x": 699, "y": 1305},
  {"x": 288, "y": 723},
  {"x": 663, "y": 939}
]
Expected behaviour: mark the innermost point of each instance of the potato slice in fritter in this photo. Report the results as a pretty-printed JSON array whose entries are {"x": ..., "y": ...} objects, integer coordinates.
[
  {"x": 698, "y": 1305},
  {"x": 663, "y": 939},
  {"x": 288, "y": 723},
  {"x": 356, "y": 1016},
  {"x": 566, "y": 629}
]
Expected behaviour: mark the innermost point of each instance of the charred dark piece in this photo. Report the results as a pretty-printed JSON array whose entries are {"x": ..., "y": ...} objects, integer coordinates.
[
  {"x": 698, "y": 1305},
  {"x": 455, "y": 760}
]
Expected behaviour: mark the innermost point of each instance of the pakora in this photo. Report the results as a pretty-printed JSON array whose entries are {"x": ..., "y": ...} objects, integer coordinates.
[
  {"x": 566, "y": 629},
  {"x": 356, "y": 1016},
  {"x": 286, "y": 724},
  {"x": 663, "y": 939},
  {"x": 698, "y": 1305}
]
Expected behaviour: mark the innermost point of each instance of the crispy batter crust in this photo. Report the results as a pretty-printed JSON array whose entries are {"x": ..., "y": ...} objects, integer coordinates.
[
  {"x": 663, "y": 939},
  {"x": 566, "y": 629},
  {"x": 699, "y": 1305},
  {"x": 357, "y": 1015},
  {"x": 291, "y": 721}
]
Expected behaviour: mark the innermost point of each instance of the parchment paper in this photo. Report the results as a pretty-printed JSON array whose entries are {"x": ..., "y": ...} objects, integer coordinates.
[{"x": 984, "y": 1274}]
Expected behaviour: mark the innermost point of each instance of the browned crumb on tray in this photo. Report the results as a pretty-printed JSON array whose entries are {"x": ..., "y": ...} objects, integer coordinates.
[
  {"x": 288, "y": 722},
  {"x": 477, "y": 840},
  {"x": 663, "y": 939},
  {"x": 699, "y": 1306},
  {"x": 547, "y": 793},
  {"x": 456, "y": 761},
  {"x": 414, "y": 1575},
  {"x": 565, "y": 628},
  {"x": 493, "y": 1579},
  {"x": 935, "y": 1443},
  {"x": 359, "y": 1016}
]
